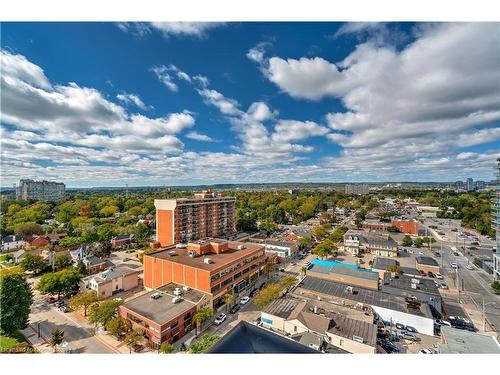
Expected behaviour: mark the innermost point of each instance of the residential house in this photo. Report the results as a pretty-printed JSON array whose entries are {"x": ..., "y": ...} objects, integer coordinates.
[
  {"x": 94, "y": 264},
  {"x": 10, "y": 243},
  {"x": 111, "y": 281},
  {"x": 380, "y": 244},
  {"x": 123, "y": 241}
]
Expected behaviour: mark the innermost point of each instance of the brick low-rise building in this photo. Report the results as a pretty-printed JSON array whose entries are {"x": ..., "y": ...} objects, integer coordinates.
[
  {"x": 184, "y": 220},
  {"x": 165, "y": 314},
  {"x": 213, "y": 266},
  {"x": 406, "y": 226},
  {"x": 112, "y": 281},
  {"x": 426, "y": 264}
]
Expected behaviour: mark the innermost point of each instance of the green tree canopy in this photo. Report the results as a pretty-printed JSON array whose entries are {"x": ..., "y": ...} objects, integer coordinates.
[
  {"x": 325, "y": 249},
  {"x": 84, "y": 300},
  {"x": 102, "y": 312},
  {"x": 34, "y": 263},
  {"x": 65, "y": 282},
  {"x": 204, "y": 344},
  {"x": 15, "y": 302}
]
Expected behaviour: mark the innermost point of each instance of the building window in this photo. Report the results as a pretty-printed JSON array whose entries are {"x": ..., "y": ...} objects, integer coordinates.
[{"x": 174, "y": 324}]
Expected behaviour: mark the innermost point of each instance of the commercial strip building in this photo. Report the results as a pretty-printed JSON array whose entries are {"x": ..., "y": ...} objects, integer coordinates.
[
  {"x": 111, "y": 281},
  {"x": 457, "y": 341},
  {"x": 346, "y": 273},
  {"x": 281, "y": 249},
  {"x": 388, "y": 307},
  {"x": 380, "y": 244},
  {"x": 295, "y": 318},
  {"x": 165, "y": 314},
  {"x": 41, "y": 190},
  {"x": 183, "y": 220},
  {"x": 213, "y": 266},
  {"x": 418, "y": 288},
  {"x": 427, "y": 264}
]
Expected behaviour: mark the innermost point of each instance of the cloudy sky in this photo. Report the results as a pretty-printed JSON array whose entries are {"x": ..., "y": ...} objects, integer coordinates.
[{"x": 105, "y": 104}]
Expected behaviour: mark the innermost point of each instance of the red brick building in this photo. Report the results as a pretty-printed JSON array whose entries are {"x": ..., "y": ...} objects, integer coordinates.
[
  {"x": 184, "y": 220},
  {"x": 165, "y": 314},
  {"x": 406, "y": 226},
  {"x": 212, "y": 266}
]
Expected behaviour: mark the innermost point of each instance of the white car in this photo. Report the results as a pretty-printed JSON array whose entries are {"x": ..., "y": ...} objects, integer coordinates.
[
  {"x": 454, "y": 266},
  {"x": 220, "y": 319},
  {"x": 469, "y": 267},
  {"x": 439, "y": 276},
  {"x": 244, "y": 300},
  {"x": 425, "y": 351}
]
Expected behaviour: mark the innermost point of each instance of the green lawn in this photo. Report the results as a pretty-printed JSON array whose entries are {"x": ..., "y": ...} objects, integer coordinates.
[{"x": 7, "y": 342}]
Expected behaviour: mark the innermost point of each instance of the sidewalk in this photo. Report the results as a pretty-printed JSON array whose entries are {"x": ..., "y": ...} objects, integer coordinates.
[{"x": 39, "y": 343}]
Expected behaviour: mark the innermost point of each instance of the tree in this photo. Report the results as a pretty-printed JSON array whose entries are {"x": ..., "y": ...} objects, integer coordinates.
[
  {"x": 84, "y": 300},
  {"x": 117, "y": 327},
  {"x": 102, "y": 249},
  {"x": 338, "y": 234},
  {"x": 418, "y": 242},
  {"x": 134, "y": 337},
  {"x": 33, "y": 262},
  {"x": 104, "y": 232},
  {"x": 267, "y": 295},
  {"x": 228, "y": 300},
  {"x": 109, "y": 211},
  {"x": 56, "y": 338},
  {"x": 15, "y": 302},
  {"x": 62, "y": 261},
  {"x": 81, "y": 268},
  {"x": 201, "y": 316},
  {"x": 28, "y": 229},
  {"x": 268, "y": 227},
  {"x": 167, "y": 348},
  {"x": 303, "y": 271},
  {"x": 305, "y": 241},
  {"x": 395, "y": 268},
  {"x": 495, "y": 285},
  {"x": 102, "y": 312},
  {"x": 202, "y": 345},
  {"x": 407, "y": 241},
  {"x": 64, "y": 282},
  {"x": 319, "y": 232},
  {"x": 268, "y": 268},
  {"x": 325, "y": 248}
]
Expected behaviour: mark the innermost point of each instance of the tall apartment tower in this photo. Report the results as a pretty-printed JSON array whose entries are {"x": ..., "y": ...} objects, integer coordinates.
[
  {"x": 495, "y": 212},
  {"x": 183, "y": 220},
  {"x": 469, "y": 184},
  {"x": 41, "y": 190}
]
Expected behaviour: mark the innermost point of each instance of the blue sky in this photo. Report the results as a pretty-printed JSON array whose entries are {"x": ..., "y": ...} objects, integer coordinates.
[{"x": 105, "y": 104}]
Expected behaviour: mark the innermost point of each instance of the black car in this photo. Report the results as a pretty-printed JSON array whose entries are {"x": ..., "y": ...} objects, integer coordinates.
[
  {"x": 234, "y": 309},
  {"x": 253, "y": 291},
  {"x": 262, "y": 285}
]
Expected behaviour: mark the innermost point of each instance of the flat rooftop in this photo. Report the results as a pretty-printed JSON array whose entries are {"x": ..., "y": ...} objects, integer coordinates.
[
  {"x": 428, "y": 261},
  {"x": 232, "y": 254},
  {"x": 461, "y": 341},
  {"x": 405, "y": 282},
  {"x": 362, "y": 295},
  {"x": 339, "y": 268},
  {"x": 380, "y": 263},
  {"x": 348, "y": 328},
  {"x": 162, "y": 310}
]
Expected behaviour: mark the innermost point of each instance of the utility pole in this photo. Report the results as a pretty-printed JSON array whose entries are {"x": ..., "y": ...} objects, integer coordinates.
[
  {"x": 441, "y": 252},
  {"x": 458, "y": 284}
]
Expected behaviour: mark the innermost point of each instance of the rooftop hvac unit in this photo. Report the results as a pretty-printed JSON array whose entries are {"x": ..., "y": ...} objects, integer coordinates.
[
  {"x": 207, "y": 260},
  {"x": 186, "y": 288},
  {"x": 177, "y": 291},
  {"x": 415, "y": 281},
  {"x": 176, "y": 299},
  {"x": 192, "y": 254},
  {"x": 241, "y": 247},
  {"x": 181, "y": 246},
  {"x": 413, "y": 286}
]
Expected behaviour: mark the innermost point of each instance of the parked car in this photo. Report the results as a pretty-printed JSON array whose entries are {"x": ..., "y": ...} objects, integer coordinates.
[
  {"x": 410, "y": 336},
  {"x": 441, "y": 322},
  {"x": 220, "y": 319},
  {"x": 64, "y": 308},
  {"x": 411, "y": 329},
  {"x": 253, "y": 291},
  {"x": 439, "y": 276},
  {"x": 475, "y": 243},
  {"x": 443, "y": 286},
  {"x": 469, "y": 267},
  {"x": 244, "y": 300},
  {"x": 262, "y": 285},
  {"x": 454, "y": 266},
  {"x": 293, "y": 263},
  {"x": 425, "y": 351},
  {"x": 454, "y": 230},
  {"x": 400, "y": 326},
  {"x": 389, "y": 347},
  {"x": 234, "y": 309},
  {"x": 430, "y": 274}
]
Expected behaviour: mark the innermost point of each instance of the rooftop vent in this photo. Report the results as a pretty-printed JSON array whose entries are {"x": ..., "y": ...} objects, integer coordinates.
[
  {"x": 177, "y": 291},
  {"x": 186, "y": 288},
  {"x": 192, "y": 254},
  {"x": 241, "y": 247},
  {"x": 172, "y": 253},
  {"x": 181, "y": 246},
  {"x": 357, "y": 338},
  {"x": 207, "y": 260}
]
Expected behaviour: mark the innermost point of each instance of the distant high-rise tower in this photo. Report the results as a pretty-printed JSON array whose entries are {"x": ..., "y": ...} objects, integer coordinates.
[{"x": 469, "y": 184}]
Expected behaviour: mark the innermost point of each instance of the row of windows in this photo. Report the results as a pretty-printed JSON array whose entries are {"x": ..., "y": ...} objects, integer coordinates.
[
  {"x": 235, "y": 267},
  {"x": 233, "y": 278}
]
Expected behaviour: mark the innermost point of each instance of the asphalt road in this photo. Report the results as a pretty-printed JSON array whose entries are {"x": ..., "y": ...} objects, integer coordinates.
[
  {"x": 474, "y": 283},
  {"x": 77, "y": 334}
]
